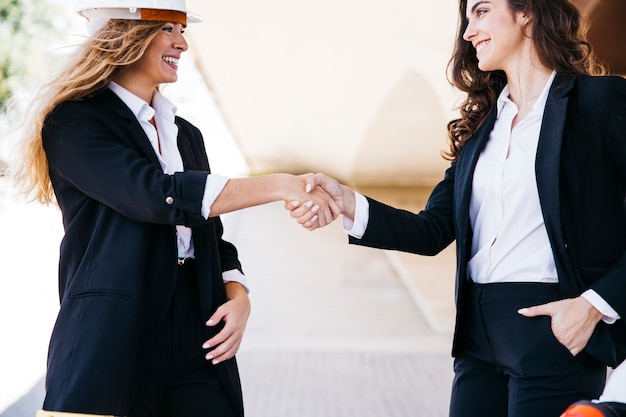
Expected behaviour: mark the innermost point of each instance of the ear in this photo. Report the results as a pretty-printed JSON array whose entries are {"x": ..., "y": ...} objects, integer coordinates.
[{"x": 524, "y": 19}]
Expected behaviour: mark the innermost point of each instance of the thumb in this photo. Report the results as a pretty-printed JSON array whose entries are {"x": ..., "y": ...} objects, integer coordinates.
[
  {"x": 540, "y": 310},
  {"x": 314, "y": 180},
  {"x": 310, "y": 183}
]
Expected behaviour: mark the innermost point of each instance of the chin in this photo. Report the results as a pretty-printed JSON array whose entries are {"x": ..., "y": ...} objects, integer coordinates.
[
  {"x": 485, "y": 67},
  {"x": 169, "y": 80}
]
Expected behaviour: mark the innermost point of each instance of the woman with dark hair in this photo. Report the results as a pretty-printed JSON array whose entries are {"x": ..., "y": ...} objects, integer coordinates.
[
  {"x": 534, "y": 198},
  {"x": 153, "y": 300}
]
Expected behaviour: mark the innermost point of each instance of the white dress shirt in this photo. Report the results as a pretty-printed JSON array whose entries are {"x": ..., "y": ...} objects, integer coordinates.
[
  {"x": 615, "y": 389},
  {"x": 510, "y": 242},
  {"x": 165, "y": 147}
]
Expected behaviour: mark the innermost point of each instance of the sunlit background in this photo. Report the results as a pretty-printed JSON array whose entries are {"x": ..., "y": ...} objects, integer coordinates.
[{"x": 355, "y": 89}]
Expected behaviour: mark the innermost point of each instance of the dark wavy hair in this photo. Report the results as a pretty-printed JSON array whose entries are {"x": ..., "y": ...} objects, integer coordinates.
[{"x": 560, "y": 37}]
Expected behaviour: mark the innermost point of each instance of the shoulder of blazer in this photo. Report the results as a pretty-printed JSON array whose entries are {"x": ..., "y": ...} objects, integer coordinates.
[
  {"x": 104, "y": 112},
  {"x": 583, "y": 96},
  {"x": 586, "y": 86},
  {"x": 102, "y": 105}
]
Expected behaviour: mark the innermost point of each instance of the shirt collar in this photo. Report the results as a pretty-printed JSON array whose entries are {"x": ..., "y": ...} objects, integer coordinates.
[
  {"x": 141, "y": 109},
  {"x": 163, "y": 106}
]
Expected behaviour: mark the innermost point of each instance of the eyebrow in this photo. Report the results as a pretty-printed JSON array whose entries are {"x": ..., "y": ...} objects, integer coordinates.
[{"x": 478, "y": 3}]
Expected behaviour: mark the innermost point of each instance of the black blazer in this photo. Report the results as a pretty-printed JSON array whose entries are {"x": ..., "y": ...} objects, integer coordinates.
[
  {"x": 118, "y": 257},
  {"x": 581, "y": 177}
]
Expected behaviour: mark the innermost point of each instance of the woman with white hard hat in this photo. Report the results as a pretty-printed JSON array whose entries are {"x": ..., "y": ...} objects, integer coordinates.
[{"x": 153, "y": 300}]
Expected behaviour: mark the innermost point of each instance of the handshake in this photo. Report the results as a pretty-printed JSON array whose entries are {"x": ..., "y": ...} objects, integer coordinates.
[{"x": 326, "y": 200}]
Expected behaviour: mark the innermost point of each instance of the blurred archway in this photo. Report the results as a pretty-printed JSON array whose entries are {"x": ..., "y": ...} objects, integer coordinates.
[{"x": 354, "y": 89}]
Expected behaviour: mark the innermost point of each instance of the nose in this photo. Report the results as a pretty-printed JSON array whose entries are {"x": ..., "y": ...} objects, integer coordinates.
[
  {"x": 469, "y": 32},
  {"x": 180, "y": 42}
]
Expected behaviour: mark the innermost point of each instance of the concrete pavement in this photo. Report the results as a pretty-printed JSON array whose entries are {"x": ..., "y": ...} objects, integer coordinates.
[{"x": 336, "y": 330}]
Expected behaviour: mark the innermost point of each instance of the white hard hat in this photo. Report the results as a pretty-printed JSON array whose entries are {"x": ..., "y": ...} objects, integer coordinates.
[{"x": 98, "y": 12}]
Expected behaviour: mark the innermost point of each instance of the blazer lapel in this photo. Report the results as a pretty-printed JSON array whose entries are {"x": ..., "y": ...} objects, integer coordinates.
[
  {"x": 186, "y": 151},
  {"x": 465, "y": 172},
  {"x": 547, "y": 171},
  {"x": 547, "y": 161},
  {"x": 136, "y": 132}
]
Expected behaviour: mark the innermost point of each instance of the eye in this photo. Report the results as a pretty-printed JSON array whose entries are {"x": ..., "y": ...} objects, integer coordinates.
[
  {"x": 480, "y": 12},
  {"x": 171, "y": 28}
]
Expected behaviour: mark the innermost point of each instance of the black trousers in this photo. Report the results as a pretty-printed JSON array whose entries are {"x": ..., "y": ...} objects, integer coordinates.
[
  {"x": 508, "y": 365},
  {"x": 179, "y": 381}
]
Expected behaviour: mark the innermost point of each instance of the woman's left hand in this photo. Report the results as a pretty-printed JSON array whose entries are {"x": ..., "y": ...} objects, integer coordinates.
[
  {"x": 572, "y": 320},
  {"x": 234, "y": 314}
]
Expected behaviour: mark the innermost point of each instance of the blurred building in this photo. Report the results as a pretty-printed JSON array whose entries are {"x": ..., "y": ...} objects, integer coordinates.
[{"x": 357, "y": 89}]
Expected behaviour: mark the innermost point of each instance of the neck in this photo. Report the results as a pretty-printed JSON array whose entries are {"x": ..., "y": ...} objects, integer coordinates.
[
  {"x": 135, "y": 86},
  {"x": 526, "y": 79},
  {"x": 525, "y": 88}
]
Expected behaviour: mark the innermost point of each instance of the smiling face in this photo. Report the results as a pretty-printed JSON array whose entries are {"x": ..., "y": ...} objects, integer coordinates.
[
  {"x": 496, "y": 33},
  {"x": 158, "y": 64}
]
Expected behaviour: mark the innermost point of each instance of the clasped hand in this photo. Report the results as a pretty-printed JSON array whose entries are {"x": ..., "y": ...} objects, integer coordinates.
[{"x": 310, "y": 213}]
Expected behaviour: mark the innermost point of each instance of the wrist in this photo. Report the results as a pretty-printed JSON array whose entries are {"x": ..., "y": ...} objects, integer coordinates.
[
  {"x": 592, "y": 311},
  {"x": 281, "y": 186},
  {"x": 235, "y": 290},
  {"x": 349, "y": 202}
]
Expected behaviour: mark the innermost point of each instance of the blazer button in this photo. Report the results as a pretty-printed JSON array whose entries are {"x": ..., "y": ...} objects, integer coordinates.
[{"x": 169, "y": 200}]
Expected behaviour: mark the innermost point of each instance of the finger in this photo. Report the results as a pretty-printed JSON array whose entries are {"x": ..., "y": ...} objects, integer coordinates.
[
  {"x": 224, "y": 350},
  {"x": 302, "y": 209},
  {"x": 325, "y": 216},
  {"x": 222, "y": 343},
  {"x": 311, "y": 224},
  {"x": 217, "y": 340},
  {"x": 220, "y": 337},
  {"x": 214, "y": 320},
  {"x": 540, "y": 310},
  {"x": 217, "y": 317},
  {"x": 307, "y": 217},
  {"x": 225, "y": 354},
  {"x": 291, "y": 205},
  {"x": 334, "y": 209}
]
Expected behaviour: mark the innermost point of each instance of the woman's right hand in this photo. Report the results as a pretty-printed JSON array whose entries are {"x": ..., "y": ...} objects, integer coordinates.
[{"x": 306, "y": 213}]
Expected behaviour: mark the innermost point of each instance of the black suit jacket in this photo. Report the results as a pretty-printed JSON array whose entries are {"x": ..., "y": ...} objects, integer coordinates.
[
  {"x": 118, "y": 257},
  {"x": 581, "y": 177}
]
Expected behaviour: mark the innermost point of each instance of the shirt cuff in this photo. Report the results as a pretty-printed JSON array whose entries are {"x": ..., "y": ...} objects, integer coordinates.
[
  {"x": 356, "y": 228},
  {"x": 234, "y": 275},
  {"x": 215, "y": 183},
  {"x": 610, "y": 315}
]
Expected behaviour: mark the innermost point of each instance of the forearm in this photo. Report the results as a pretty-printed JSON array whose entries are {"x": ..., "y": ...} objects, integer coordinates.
[{"x": 239, "y": 193}]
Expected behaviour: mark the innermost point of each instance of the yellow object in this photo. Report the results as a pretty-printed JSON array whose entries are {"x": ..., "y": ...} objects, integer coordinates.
[{"x": 42, "y": 413}]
